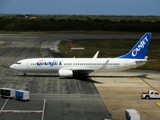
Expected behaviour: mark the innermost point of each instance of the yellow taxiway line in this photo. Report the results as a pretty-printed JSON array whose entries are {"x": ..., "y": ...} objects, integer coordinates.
[
  {"x": 149, "y": 85},
  {"x": 40, "y": 50},
  {"x": 11, "y": 53},
  {"x": 133, "y": 78},
  {"x": 158, "y": 103}
]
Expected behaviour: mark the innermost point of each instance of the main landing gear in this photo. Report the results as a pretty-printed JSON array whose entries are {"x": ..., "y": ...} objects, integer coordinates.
[
  {"x": 80, "y": 75},
  {"x": 24, "y": 74}
]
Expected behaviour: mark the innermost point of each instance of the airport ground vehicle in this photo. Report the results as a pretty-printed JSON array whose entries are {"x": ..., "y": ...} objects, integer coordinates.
[
  {"x": 22, "y": 95},
  {"x": 150, "y": 94},
  {"x": 12, "y": 93},
  {"x": 132, "y": 114},
  {"x": 7, "y": 92}
]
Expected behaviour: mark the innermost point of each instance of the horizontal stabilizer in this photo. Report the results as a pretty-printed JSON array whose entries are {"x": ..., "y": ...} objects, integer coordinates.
[{"x": 152, "y": 60}]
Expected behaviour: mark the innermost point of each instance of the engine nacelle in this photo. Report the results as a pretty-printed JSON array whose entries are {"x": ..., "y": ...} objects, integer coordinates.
[{"x": 65, "y": 73}]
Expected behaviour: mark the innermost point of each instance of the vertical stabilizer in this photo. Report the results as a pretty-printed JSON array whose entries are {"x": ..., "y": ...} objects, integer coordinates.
[{"x": 140, "y": 49}]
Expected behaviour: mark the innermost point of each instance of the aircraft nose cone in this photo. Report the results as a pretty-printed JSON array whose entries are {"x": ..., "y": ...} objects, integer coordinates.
[{"x": 13, "y": 66}]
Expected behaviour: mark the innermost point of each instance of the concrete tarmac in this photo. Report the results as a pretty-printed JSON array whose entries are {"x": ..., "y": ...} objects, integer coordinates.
[
  {"x": 101, "y": 96},
  {"x": 122, "y": 90},
  {"x": 51, "y": 97}
]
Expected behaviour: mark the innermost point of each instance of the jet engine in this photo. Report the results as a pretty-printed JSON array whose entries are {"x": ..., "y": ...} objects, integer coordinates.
[{"x": 65, "y": 73}]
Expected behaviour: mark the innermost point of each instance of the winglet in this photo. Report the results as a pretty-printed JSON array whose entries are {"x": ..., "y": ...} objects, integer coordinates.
[
  {"x": 140, "y": 49},
  {"x": 96, "y": 55}
]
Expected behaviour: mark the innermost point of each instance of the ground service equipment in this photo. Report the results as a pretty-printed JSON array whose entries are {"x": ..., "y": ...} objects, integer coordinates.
[
  {"x": 132, "y": 114},
  {"x": 22, "y": 95},
  {"x": 7, "y": 92}
]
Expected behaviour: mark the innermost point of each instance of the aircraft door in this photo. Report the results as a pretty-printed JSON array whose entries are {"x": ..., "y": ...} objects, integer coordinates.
[
  {"x": 27, "y": 65},
  {"x": 125, "y": 64}
]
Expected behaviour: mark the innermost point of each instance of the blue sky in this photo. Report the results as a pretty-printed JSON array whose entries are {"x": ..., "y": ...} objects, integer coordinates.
[{"x": 87, "y": 7}]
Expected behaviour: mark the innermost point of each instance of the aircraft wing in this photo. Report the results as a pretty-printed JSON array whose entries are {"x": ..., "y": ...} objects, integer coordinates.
[
  {"x": 88, "y": 70},
  {"x": 84, "y": 70}
]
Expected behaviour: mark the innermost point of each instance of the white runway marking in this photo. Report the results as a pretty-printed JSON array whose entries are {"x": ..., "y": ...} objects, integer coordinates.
[
  {"x": 44, "y": 104},
  {"x": 4, "y": 105},
  {"x": 22, "y": 111}
]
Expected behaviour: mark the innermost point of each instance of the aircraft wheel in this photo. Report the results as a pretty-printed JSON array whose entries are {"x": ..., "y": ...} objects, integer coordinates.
[{"x": 24, "y": 74}]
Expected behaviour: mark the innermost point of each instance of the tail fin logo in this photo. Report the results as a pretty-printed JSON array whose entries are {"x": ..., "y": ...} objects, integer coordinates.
[{"x": 140, "y": 46}]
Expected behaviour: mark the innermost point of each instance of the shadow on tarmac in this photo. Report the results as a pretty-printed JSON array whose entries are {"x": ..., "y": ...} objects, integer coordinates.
[
  {"x": 139, "y": 76},
  {"x": 87, "y": 78}
]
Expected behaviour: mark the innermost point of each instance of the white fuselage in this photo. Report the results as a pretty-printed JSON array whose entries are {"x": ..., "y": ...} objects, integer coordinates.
[{"x": 76, "y": 64}]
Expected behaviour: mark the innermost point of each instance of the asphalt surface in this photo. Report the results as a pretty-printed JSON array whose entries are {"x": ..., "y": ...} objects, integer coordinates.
[
  {"x": 102, "y": 96},
  {"x": 51, "y": 97},
  {"x": 45, "y": 37}
]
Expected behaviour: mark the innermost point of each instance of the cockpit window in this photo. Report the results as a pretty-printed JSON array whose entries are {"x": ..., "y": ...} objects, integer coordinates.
[{"x": 18, "y": 63}]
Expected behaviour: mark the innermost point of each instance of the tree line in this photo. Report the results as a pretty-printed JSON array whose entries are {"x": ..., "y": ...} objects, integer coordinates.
[{"x": 75, "y": 23}]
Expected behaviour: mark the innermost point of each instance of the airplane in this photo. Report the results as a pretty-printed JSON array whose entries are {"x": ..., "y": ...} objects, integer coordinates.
[{"x": 68, "y": 67}]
